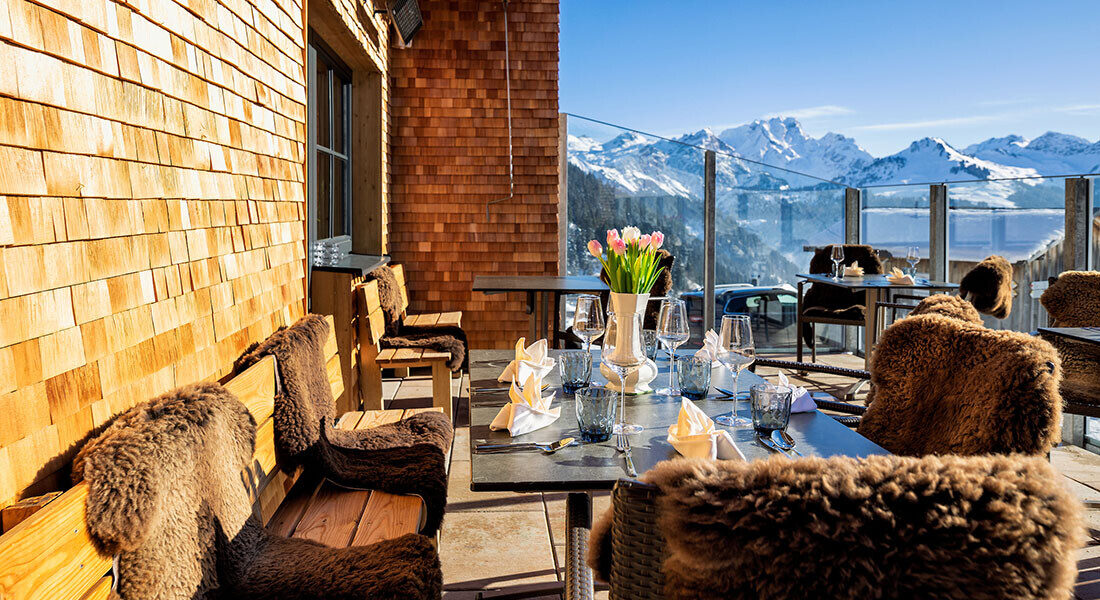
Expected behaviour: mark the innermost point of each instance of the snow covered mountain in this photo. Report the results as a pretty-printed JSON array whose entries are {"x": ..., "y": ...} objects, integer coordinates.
[
  {"x": 781, "y": 142},
  {"x": 931, "y": 159},
  {"x": 1051, "y": 153}
]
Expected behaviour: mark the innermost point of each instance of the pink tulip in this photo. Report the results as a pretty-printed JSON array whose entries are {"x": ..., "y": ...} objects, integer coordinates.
[
  {"x": 643, "y": 241},
  {"x": 618, "y": 246},
  {"x": 595, "y": 248},
  {"x": 612, "y": 235},
  {"x": 658, "y": 239}
]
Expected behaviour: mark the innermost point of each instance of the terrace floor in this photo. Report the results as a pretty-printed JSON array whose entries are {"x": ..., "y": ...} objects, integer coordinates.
[{"x": 497, "y": 543}]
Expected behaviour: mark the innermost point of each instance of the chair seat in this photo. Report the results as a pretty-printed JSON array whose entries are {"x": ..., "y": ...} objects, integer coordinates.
[
  {"x": 446, "y": 319},
  {"x": 855, "y": 312},
  {"x": 410, "y": 357}
]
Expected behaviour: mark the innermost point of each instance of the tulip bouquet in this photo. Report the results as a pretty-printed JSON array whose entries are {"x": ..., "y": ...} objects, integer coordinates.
[{"x": 631, "y": 260}]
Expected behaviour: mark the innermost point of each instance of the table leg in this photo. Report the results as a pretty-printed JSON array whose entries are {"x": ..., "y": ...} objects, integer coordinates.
[
  {"x": 544, "y": 319},
  {"x": 870, "y": 326},
  {"x": 578, "y": 523},
  {"x": 532, "y": 300},
  {"x": 555, "y": 320}
]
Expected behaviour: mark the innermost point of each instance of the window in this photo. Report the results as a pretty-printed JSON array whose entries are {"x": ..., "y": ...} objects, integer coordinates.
[{"x": 330, "y": 147}]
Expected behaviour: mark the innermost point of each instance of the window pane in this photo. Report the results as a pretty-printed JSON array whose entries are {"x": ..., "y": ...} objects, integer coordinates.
[
  {"x": 338, "y": 225},
  {"x": 339, "y": 91},
  {"x": 324, "y": 194},
  {"x": 321, "y": 106}
]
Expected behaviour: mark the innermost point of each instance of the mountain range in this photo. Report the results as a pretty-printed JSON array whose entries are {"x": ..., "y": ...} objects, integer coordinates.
[{"x": 640, "y": 165}]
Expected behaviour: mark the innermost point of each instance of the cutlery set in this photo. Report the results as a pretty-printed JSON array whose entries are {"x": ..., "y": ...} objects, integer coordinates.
[{"x": 779, "y": 441}]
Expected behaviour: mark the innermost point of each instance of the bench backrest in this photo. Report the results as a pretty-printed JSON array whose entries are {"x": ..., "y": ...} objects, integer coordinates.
[
  {"x": 372, "y": 323},
  {"x": 50, "y": 554},
  {"x": 399, "y": 273}
]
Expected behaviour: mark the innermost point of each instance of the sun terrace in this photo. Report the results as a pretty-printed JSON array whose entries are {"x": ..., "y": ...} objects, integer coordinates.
[{"x": 299, "y": 299}]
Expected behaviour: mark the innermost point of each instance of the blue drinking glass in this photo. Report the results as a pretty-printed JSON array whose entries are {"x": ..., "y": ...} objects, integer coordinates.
[
  {"x": 694, "y": 376},
  {"x": 596, "y": 413},
  {"x": 576, "y": 370}
]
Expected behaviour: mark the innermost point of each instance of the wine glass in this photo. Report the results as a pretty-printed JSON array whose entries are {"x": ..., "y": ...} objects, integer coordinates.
[
  {"x": 623, "y": 361},
  {"x": 837, "y": 255},
  {"x": 737, "y": 351},
  {"x": 913, "y": 257},
  {"x": 588, "y": 323},
  {"x": 672, "y": 331}
]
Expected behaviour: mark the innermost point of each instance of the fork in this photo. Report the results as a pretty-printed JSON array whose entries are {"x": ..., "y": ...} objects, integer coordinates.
[{"x": 622, "y": 444}]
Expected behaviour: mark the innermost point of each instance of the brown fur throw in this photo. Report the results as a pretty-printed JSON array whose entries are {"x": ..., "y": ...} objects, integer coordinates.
[
  {"x": 398, "y": 335},
  {"x": 1073, "y": 300},
  {"x": 948, "y": 306},
  {"x": 988, "y": 286},
  {"x": 165, "y": 493},
  {"x": 825, "y": 300},
  {"x": 406, "y": 457},
  {"x": 945, "y": 386},
  {"x": 985, "y": 528}
]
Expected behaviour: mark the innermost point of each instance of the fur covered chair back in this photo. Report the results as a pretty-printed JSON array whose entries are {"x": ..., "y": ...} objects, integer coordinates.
[
  {"x": 946, "y": 386},
  {"x": 988, "y": 286},
  {"x": 166, "y": 493},
  {"x": 985, "y": 528},
  {"x": 1073, "y": 300},
  {"x": 861, "y": 254},
  {"x": 948, "y": 306}
]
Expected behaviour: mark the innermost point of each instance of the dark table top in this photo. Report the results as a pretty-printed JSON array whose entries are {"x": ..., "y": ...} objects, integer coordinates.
[
  {"x": 877, "y": 281},
  {"x": 566, "y": 284},
  {"x": 598, "y": 466},
  {"x": 1089, "y": 335}
]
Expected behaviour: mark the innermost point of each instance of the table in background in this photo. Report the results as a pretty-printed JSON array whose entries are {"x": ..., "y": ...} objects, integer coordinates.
[
  {"x": 873, "y": 285},
  {"x": 540, "y": 289},
  {"x": 1088, "y": 335},
  {"x": 587, "y": 467}
]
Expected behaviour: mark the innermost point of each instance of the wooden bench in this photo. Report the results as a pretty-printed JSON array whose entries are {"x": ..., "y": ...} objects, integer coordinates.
[
  {"x": 50, "y": 554},
  {"x": 373, "y": 357},
  {"x": 452, "y": 319}
]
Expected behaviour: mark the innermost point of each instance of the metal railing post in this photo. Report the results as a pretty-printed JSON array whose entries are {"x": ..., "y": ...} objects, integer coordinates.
[
  {"x": 709, "y": 216},
  {"x": 1076, "y": 247},
  {"x": 937, "y": 232},
  {"x": 852, "y": 214}
]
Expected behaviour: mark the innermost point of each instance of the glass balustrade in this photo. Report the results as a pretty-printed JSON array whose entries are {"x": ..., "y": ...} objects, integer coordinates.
[{"x": 894, "y": 219}]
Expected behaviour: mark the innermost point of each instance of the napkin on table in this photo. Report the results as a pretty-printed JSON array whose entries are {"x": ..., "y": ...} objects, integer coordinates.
[
  {"x": 528, "y": 410},
  {"x": 801, "y": 399},
  {"x": 853, "y": 270},
  {"x": 532, "y": 360},
  {"x": 897, "y": 277},
  {"x": 710, "y": 348},
  {"x": 694, "y": 436}
]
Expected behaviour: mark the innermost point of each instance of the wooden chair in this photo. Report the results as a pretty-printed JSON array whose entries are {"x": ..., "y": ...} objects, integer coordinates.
[
  {"x": 50, "y": 555},
  {"x": 373, "y": 358},
  {"x": 452, "y": 319}
]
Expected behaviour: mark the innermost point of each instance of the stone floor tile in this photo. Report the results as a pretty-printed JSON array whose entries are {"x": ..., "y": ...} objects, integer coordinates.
[
  {"x": 461, "y": 445},
  {"x": 510, "y": 548}
]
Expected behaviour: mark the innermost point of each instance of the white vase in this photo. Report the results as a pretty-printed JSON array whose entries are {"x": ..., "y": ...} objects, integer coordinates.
[{"x": 629, "y": 309}]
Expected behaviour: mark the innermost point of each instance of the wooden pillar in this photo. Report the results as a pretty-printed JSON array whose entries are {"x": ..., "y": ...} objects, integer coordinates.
[
  {"x": 709, "y": 215},
  {"x": 937, "y": 232},
  {"x": 1076, "y": 247},
  {"x": 852, "y": 215}
]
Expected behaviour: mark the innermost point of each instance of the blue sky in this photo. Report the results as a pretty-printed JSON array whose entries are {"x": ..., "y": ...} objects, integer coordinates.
[{"x": 885, "y": 73}]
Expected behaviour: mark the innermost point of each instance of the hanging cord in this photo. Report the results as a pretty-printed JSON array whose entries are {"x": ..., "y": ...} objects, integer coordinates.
[{"x": 508, "y": 92}]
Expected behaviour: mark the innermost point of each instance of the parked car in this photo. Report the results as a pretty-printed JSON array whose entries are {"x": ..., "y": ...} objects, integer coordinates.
[{"x": 772, "y": 309}]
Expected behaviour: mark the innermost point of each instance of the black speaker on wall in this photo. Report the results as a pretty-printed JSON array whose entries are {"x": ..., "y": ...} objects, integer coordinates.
[{"x": 406, "y": 19}]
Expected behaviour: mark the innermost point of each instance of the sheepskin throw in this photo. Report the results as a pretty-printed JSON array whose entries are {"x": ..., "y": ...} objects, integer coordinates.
[
  {"x": 984, "y": 528},
  {"x": 441, "y": 338},
  {"x": 165, "y": 493},
  {"x": 988, "y": 286},
  {"x": 1073, "y": 300},
  {"x": 945, "y": 386},
  {"x": 406, "y": 457},
  {"x": 948, "y": 306}
]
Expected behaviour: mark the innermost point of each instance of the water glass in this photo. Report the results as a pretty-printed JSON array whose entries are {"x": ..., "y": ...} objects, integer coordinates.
[
  {"x": 576, "y": 370},
  {"x": 694, "y": 376},
  {"x": 771, "y": 407},
  {"x": 595, "y": 413}
]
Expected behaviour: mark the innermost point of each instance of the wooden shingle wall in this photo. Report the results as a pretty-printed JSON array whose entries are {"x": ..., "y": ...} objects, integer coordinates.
[
  {"x": 449, "y": 156},
  {"x": 151, "y": 207}
]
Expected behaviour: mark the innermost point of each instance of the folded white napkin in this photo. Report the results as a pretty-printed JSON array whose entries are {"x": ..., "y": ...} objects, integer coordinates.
[
  {"x": 528, "y": 410},
  {"x": 694, "y": 436},
  {"x": 853, "y": 270},
  {"x": 532, "y": 360},
  {"x": 801, "y": 399},
  {"x": 897, "y": 277},
  {"x": 710, "y": 347}
]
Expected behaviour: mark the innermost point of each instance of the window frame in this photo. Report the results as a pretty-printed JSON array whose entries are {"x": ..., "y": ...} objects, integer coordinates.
[{"x": 338, "y": 80}]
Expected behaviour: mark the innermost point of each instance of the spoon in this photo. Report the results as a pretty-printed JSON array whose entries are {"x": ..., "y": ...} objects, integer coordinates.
[
  {"x": 784, "y": 441},
  {"x": 547, "y": 448}
]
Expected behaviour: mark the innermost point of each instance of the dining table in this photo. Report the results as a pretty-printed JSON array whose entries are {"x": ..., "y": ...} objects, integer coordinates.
[
  {"x": 543, "y": 294},
  {"x": 1088, "y": 335},
  {"x": 876, "y": 288},
  {"x": 583, "y": 468}
]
